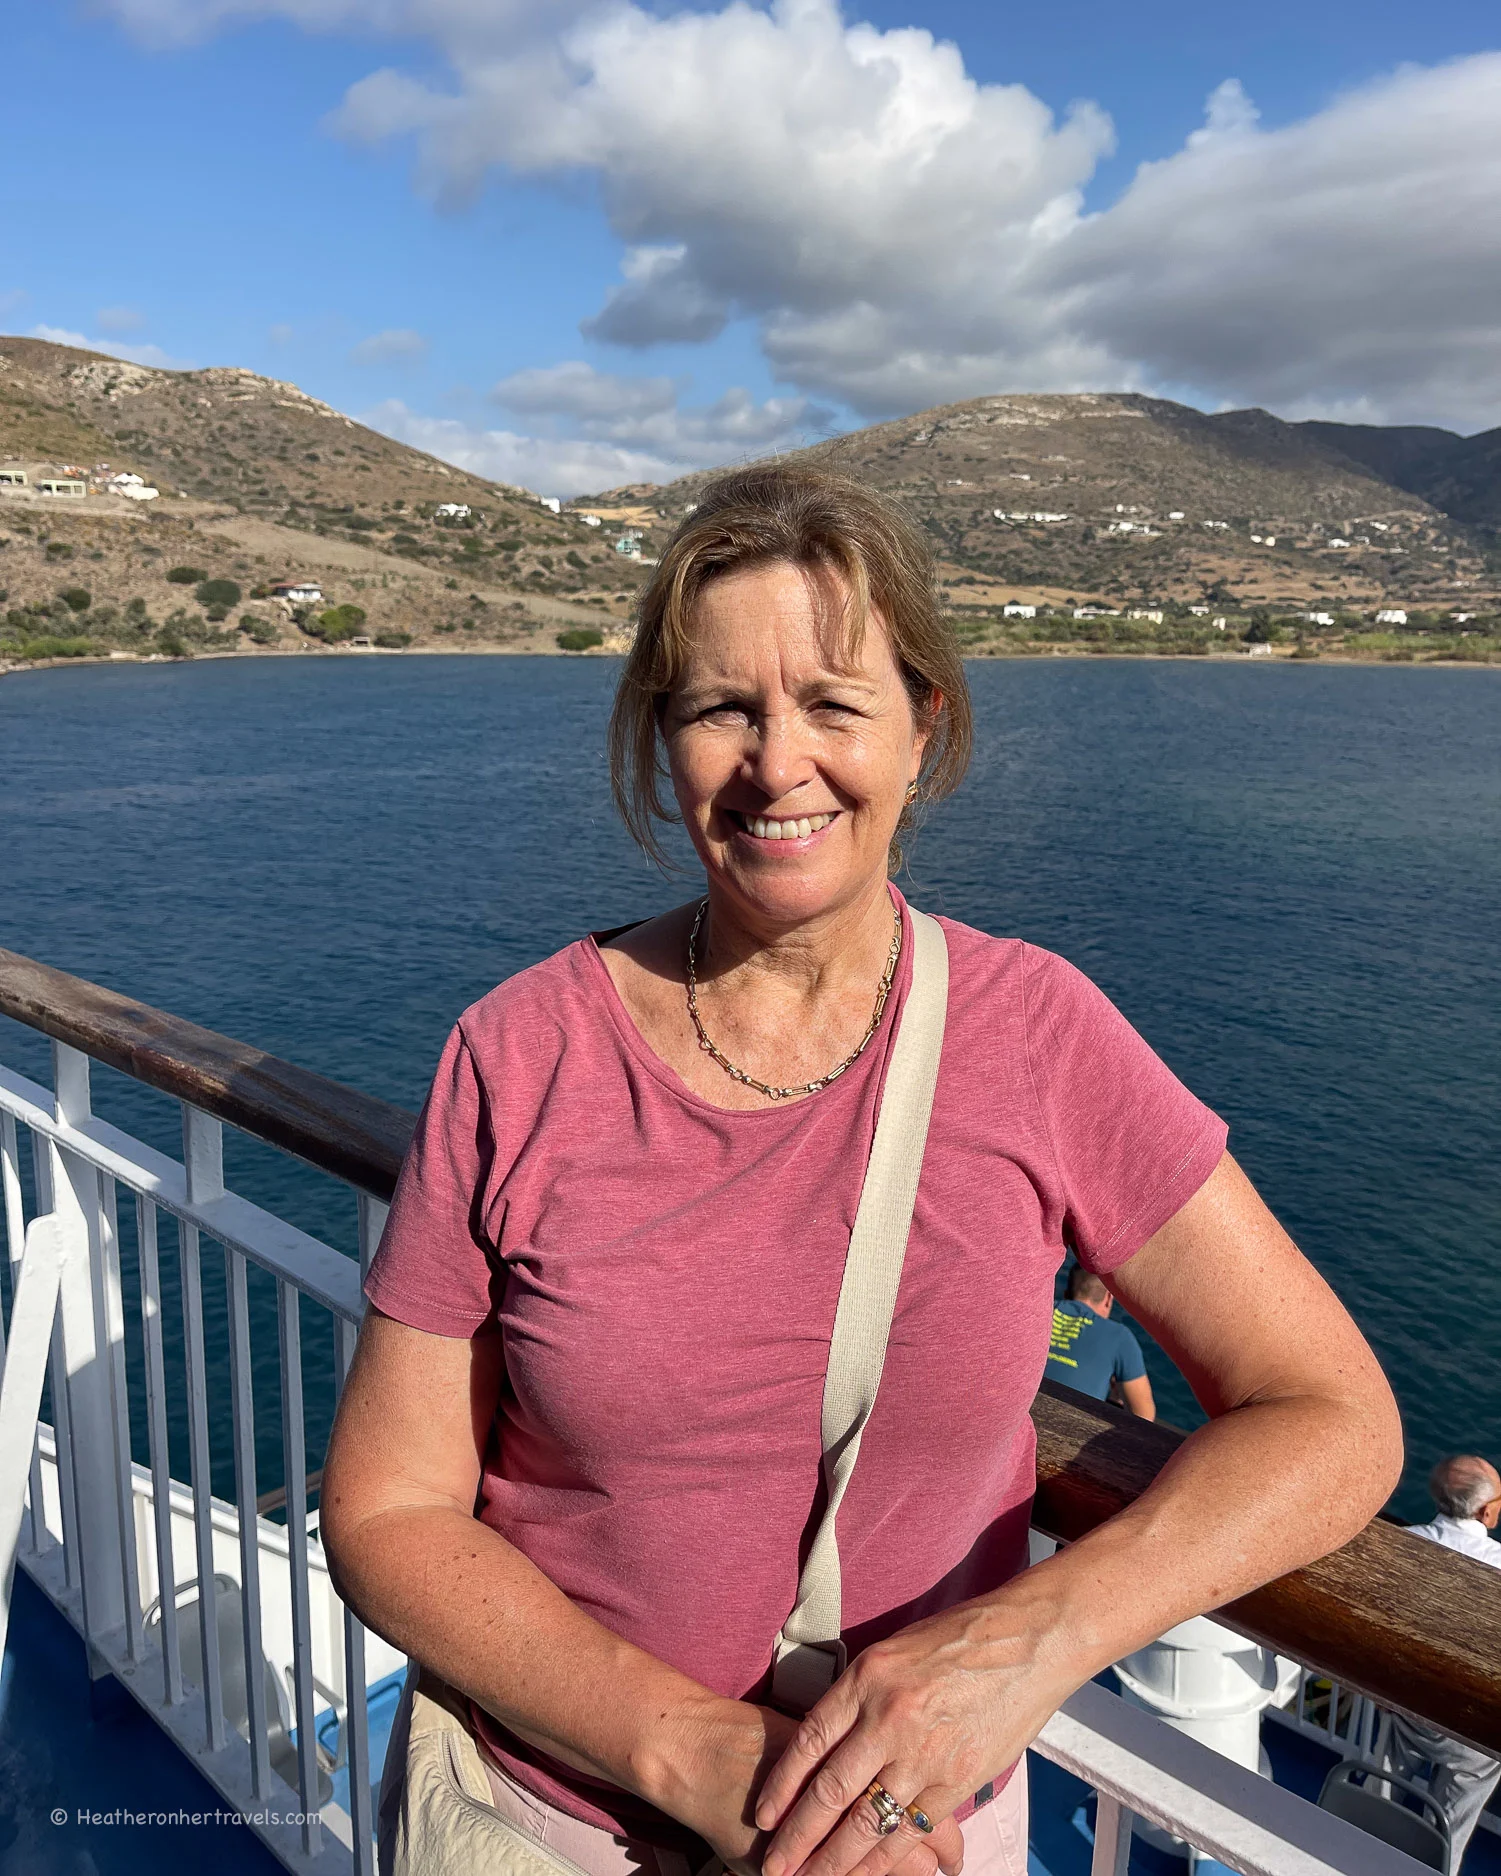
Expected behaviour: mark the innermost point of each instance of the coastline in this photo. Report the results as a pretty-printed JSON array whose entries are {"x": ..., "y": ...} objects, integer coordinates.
[{"x": 1077, "y": 654}]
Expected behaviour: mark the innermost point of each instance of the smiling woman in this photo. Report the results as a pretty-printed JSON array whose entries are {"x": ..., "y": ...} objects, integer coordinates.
[{"x": 686, "y": 1450}]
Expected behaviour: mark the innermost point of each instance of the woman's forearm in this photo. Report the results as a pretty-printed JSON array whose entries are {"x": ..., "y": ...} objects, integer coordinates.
[
  {"x": 448, "y": 1590},
  {"x": 1246, "y": 1498}
]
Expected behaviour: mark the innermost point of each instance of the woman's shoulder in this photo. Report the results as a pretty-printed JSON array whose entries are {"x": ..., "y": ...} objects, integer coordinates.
[
  {"x": 535, "y": 1011},
  {"x": 1012, "y": 975}
]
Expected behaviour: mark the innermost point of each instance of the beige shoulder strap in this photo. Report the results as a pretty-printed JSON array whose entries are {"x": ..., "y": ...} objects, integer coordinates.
[{"x": 809, "y": 1654}]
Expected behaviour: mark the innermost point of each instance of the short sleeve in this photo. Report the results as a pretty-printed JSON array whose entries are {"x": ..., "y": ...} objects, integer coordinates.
[
  {"x": 1130, "y": 1143},
  {"x": 1129, "y": 1365},
  {"x": 434, "y": 1269}
]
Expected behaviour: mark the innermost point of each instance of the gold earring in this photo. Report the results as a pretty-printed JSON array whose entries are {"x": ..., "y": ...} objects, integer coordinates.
[{"x": 911, "y": 793}]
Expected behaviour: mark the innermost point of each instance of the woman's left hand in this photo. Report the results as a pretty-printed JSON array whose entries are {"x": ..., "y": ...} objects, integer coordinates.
[{"x": 932, "y": 1713}]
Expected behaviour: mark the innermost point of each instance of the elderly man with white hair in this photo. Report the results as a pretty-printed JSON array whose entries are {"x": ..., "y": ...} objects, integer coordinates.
[{"x": 1466, "y": 1490}]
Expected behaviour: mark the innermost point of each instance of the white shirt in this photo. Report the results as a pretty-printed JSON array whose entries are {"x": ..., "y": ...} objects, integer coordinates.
[{"x": 1466, "y": 1535}]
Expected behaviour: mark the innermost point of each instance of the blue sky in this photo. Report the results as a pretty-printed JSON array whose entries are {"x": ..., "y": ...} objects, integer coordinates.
[{"x": 674, "y": 237}]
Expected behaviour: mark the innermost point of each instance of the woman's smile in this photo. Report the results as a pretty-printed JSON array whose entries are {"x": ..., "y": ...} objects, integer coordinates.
[{"x": 791, "y": 833}]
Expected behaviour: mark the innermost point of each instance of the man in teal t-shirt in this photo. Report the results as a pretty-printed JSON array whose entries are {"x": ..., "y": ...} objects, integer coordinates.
[{"x": 1089, "y": 1352}]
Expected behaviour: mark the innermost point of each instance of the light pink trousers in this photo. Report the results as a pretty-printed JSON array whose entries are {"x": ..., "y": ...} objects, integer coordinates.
[{"x": 995, "y": 1836}]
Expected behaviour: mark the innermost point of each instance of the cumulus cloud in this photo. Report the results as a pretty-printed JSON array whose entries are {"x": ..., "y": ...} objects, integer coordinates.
[
  {"x": 592, "y": 430},
  {"x": 1346, "y": 262},
  {"x": 399, "y": 345},
  {"x": 647, "y": 415},
  {"x": 578, "y": 390},
  {"x": 562, "y": 466},
  {"x": 901, "y": 234},
  {"x": 111, "y": 348}
]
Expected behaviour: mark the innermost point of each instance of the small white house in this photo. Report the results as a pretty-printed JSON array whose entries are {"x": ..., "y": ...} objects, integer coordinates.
[
  {"x": 1317, "y": 618},
  {"x": 1175, "y": 514},
  {"x": 451, "y": 511},
  {"x": 1336, "y": 541},
  {"x": 1144, "y": 612},
  {"x": 1391, "y": 615},
  {"x": 298, "y": 592},
  {"x": 1013, "y": 609},
  {"x": 590, "y": 521},
  {"x": 1042, "y": 514},
  {"x": 1199, "y": 612},
  {"x": 550, "y": 503},
  {"x": 628, "y": 547},
  {"x": 12, "y": 478},
  {"x": 63, "y": 485}
]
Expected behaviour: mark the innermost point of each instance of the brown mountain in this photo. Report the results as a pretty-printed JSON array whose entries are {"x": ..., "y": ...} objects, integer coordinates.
[
  {"x": 259, "y": 481},
  {"x": 1137, "y": 498}
]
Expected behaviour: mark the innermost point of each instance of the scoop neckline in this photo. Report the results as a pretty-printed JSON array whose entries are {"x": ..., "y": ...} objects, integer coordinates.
[{"x": 668, "y": 1077}]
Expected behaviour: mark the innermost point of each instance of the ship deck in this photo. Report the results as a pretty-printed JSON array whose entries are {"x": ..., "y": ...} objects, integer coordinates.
[{"x": 92, "y": 1755}]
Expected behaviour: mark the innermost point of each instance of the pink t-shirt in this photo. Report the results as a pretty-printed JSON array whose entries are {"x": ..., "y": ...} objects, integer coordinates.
[{"x": 664, "y": 1273}]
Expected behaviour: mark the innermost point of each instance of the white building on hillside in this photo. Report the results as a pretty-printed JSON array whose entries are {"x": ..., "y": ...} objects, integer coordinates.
[
  {"x": 1391, "y": 615},
  {"x": 550, "y": 503},
  {"x": 1014, "y": 609}
]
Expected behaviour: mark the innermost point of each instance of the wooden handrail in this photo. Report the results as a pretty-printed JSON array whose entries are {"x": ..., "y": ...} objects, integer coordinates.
[
  {"x": 1410, "y": 1624},
  {"x": 351, "y": 1135},
  {"x": 1413, "y": 1625}
]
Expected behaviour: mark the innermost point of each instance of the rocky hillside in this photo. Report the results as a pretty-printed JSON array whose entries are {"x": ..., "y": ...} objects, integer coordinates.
[
  {"x": 259, "y": 482},
  {"x": 1131, "y": 498},
  {"x": 1117, "y": 505}
]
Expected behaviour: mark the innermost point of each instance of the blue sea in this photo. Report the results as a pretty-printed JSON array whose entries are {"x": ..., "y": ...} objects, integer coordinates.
[{"x": 1288, "y": 877}]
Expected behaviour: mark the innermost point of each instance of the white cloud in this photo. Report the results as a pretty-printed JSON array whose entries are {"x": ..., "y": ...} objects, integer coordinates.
[
  {"x": 647, "y": 414},
  {"x": 578, "y": 390},
  {"x": 596, "y": 430},
  {"x": 1346, "y": 262},
  {"x": 398, "y": 345},
  {"x": 119, "y": 319},
  {"x": 111, "y": 348},
  {"x": 901, "y": 234},
  {"x": 561, "y": 466}
]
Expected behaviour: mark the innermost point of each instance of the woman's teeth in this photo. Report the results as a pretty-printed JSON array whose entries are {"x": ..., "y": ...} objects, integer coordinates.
[{"x": 763, "y": 829}]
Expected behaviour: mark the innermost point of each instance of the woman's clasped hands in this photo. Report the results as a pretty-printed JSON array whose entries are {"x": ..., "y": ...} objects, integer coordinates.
[{"x": 932, "y": 1714}]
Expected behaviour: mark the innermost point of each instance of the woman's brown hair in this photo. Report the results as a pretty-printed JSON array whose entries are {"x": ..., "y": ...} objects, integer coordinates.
[{"x": 825, "y": 523}]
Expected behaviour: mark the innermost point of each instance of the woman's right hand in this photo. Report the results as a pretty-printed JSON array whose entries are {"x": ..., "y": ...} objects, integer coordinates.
[{"x": 719, "y": 1772}]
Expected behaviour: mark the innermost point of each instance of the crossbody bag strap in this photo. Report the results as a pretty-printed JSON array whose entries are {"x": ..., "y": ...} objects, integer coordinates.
[{"x": 809, "y": 1654}]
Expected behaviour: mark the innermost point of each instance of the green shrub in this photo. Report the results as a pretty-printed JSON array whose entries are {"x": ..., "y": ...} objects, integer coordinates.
[
  {"x": 404, "y": 543},
  {"x": 50, "y": 647},
  {"x": 59, "y": 550},
  {"x": 575, "y": 559},
  {"x": 186, "y": 576},
  {"x": 337, "y": 623},
  {"x": 223, "y": 593},
  {"x": 393, "y": 641},
  {"x": 259, "y": 631},
  {"x": 76, "y": 598},
  {"x": 171, "y": 641},
  {"x": 581, "y": 638}
]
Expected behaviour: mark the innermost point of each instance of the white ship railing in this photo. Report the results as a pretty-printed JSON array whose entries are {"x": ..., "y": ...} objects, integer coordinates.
[{"x": 116, "y": 1544}]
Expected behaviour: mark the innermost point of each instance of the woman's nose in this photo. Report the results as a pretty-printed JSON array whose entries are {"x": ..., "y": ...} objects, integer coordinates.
[{"x": 778, "y": 759}]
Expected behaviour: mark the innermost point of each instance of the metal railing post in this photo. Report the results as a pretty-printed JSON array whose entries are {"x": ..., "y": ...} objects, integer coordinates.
[
  {"x": 1112, "y": 1838},
  {"x": 23, "y": 1374},
  {"x": 88, "y": 1359}
]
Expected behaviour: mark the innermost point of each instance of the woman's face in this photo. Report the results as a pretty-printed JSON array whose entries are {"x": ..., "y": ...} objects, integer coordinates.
[{"x": 790, "y": 764}]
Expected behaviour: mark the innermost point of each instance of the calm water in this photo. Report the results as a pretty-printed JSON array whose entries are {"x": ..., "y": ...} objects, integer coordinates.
[{"x": 1288, "y": 878}]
